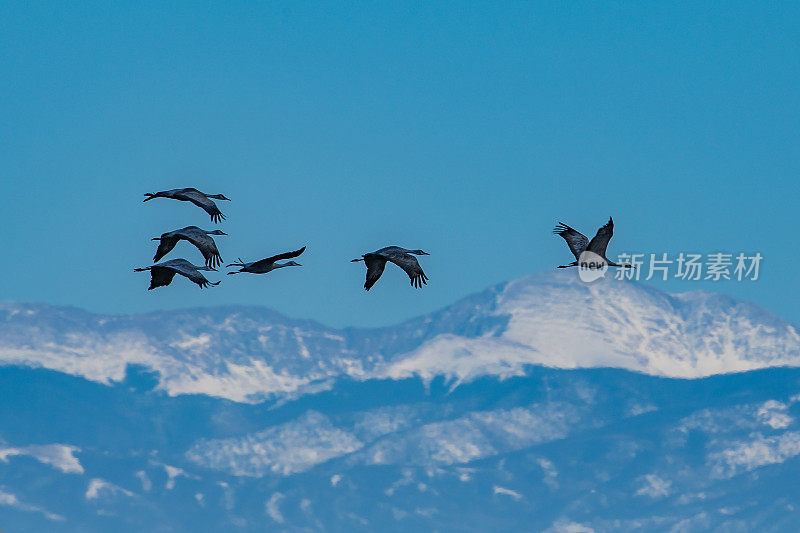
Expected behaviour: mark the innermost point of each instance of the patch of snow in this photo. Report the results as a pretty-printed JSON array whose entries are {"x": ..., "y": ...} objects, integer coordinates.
[
  {"x": 11, "y": 500},
  {"x": 59, "y": 456},
  {"x": 654, "y": 487},
  {"x": 773, "y": 414},
  {"x": 142, "y": 476},
  {"x": 100, "y": 488},
  {"x": 549, "y": 319},
  {"x": 273, "y": 507},
  {"x": 744, "y": 456},
  {"x": 568, "y": 526},
  {"x": 507, "y": 492},
  {"x": 285, "y": 449}
]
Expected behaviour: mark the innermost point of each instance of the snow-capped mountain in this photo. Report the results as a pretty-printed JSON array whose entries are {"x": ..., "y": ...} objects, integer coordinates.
[
  {"x": 551, "y": 319},
  {"x": 590, "y": 450},
  {"x": 493, "y": 414}
]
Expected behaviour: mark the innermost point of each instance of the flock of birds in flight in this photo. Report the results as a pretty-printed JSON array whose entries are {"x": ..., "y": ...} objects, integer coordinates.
[{"x": 162, "y": 274}]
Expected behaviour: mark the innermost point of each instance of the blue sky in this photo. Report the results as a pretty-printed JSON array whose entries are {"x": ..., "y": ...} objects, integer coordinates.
[{"x": 466, "y": 130}]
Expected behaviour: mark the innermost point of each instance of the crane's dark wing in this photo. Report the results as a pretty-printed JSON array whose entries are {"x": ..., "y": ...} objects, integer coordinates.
[
  {"x": 160, "y": 277},
  {"x": 599, "y": 243},
  {"x": 576, "y": 240},
  {"x": 165, "y": 246},
  {"x": 270, "y": 260},
  {"x": 194, "y": 275},
  {"x": 186, "y": 269},
  {"x": 201, "y": 200},
  {"x": 411, "y": 266},
  {"x": 205, "y": 244},
  {"x": 375, "y": 265}
]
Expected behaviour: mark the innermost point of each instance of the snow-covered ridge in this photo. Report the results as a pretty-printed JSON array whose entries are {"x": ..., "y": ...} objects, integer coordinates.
[
  {"x": 558, "y": 321},
  {"x": 553, "y": 319}
]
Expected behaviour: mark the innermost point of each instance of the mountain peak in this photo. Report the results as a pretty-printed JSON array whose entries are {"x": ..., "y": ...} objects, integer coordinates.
[
  {"x": 626, "y": 324},
  {"x": 549, "y": 318}
]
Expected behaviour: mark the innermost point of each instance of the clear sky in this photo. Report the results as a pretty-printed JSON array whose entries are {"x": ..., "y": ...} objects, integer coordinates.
[{"x": 464, "y": 129}]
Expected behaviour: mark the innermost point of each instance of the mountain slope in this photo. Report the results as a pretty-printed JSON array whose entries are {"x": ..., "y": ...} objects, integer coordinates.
[
  {"x": 560, "y": 450},
  {"x": 491, "y": 414},
  {"x": 552, "y": 319}
]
